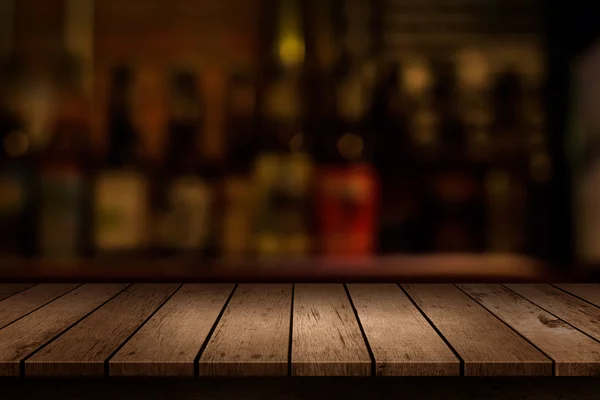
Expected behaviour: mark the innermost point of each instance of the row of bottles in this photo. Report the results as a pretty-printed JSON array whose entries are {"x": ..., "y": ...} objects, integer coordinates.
[
  {"x": 330, "y": 150},
  {"x": 65, "y": 201},
  {"x": 468, "y": 169}
]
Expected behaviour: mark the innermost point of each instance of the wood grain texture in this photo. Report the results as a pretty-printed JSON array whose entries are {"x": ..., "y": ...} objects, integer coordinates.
[
  {"x": 487, "y": 346},
  {"x": 574, "y": 353},
  {"x": 82, "y": 350},
  {"x": 168, "y": 344},
  {"x": 576, "y": 312},
  {"x": 587, "y": 291},
  {"x": 9, "y": 289},
  {"x": 25, "y": 302},
  {"x": 326, "y": 337},
  {"x": 26, "y": 335},
  {"x": 402, "y": 341},
  {"x": 252, "y": 337}
]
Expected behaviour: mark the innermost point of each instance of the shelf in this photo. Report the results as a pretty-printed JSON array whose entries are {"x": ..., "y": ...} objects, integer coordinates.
[{"x": 426, "y": 268}]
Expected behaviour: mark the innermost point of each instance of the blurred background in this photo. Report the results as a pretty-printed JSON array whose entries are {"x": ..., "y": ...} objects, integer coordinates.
[{"x": 240, "y": 129}]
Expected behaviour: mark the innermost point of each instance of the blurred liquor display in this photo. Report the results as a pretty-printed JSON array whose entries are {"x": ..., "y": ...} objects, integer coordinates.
[{"x": 273, "y": 128}]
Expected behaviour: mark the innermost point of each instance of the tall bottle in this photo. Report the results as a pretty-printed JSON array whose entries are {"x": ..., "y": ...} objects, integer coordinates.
[
  {"x": 241, "y": 125},
  {"x": 16, "y": 172},
  {"x": 505, "y": 181},
  {"x": 121, "y": 189},
  {"x": 542, "y": 230},
  {"x": 188, "y": 225},
  {"x": 401, "y": 229},
  {"x": 328, "y": 28},
  {"x": 347, "y": 187},
  {"x": 455, "y": 198},
  {"x": 347, "y": 184},
  {"x": 584, "y": 151},
  {"x": 283, "y": 169},
  {"x": 62, "y": 168}
]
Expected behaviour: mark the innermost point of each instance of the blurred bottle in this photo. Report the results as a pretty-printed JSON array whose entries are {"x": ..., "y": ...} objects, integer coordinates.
[
  {"x": 36, "y": 100},
  {"x": 283, "y": 169},
  {"x": 584, "y": 150},
  {"x": 506, "y": 180},
  {"x": 187, "y": 225},
  {"x": 401, "y": 229},
  {"x": 121, "y": 189},
  {"x": 62, "y": 168},
  {"x": 322, "y": 60},
  {"x": 541, "y": 203},
  {"x": 16, "y": 172},
  {"x": 347, "y": 185},
  {"x": 475, "y": 80},
  {"x": 455, "y": 197},
  {"x": 237, "y": 218},
  {"x": 540, "y": 229}
]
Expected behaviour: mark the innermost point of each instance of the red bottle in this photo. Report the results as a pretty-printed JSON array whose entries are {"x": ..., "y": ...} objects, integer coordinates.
[
  {"x": 348, "y": 188},
  {"x": 348, "y": 199}
]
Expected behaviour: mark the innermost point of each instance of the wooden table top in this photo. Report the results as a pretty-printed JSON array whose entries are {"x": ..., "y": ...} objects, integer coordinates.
[{"x": 249, "y": 329}]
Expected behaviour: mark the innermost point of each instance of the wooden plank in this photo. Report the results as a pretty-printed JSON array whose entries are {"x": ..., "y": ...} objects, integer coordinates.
[
  {"x": 402, "y": 341},
  {"x": 168, "y": 344},
  {"x": 9, "y": 289},
  {"x": 576, "y": 312},
  {"x": 252, "y": 337},
  {"x": 27, "y": 301},
  {"x": 574, "y": 353},
  {"x": 326, "y": 337},
  {"x": 487, "y": 346},
  {"x": 26, "y": 335},
  {"x": 82, "y": 350},
  {"x": 587, "y": 291}
]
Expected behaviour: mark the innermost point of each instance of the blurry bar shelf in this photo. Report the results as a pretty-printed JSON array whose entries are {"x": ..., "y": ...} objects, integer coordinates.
[
  {"x": 270, "y": 330},
  {"x": 400, "y": 269}
]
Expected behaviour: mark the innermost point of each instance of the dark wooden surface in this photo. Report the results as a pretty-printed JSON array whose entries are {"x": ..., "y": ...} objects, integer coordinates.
[
  {"x": 393, "y": 269},
  {"x": 487, "y": 346},
  {"x": 224, "y": 330},
  {"x": 252, "y": 337},
  {"x": 326, "y": 337},
  {"x": 84, "y": 348},
  {"x": 169, "y": 343},
  {"x": 573, "y": 352},
  {"x": 572, "y": 310},
  {"x": 402, "y": 341},
  {"x": 7, "y": 290},
  {"x": 29, "y": 334},
  {"x": 589, "y": 292},
  {"x": 29, "y": 300}
]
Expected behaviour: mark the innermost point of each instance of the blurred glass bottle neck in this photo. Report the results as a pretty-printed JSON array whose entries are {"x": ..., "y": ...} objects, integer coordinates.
[
  {"x": 240, "y": 103},
  {"x": 185, "y": 122},
  {"x": 241, "y": 121},
  {"x": 288, "y": 45},
  {"x": 282, "y": 100},
  {"x": 124, "y": 145}
]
